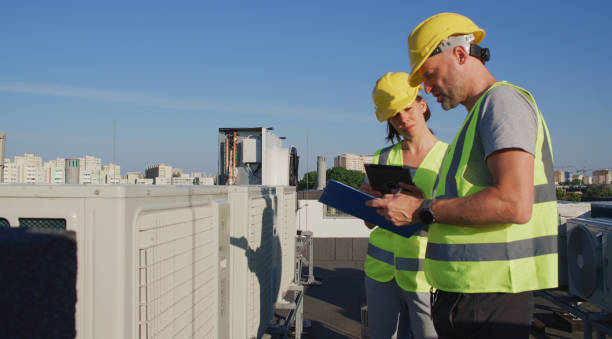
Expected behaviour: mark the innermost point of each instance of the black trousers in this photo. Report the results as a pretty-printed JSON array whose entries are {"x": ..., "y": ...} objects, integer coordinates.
[{"x": 482, "y": 315}]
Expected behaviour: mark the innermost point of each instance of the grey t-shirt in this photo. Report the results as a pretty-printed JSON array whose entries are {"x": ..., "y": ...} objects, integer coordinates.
[{"x": 508, "y": 120}]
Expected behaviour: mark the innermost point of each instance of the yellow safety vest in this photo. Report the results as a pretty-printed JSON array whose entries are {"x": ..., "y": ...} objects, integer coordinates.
[
  {"x": 507, "y": 258},
  {"x": 390, "y": 255}
]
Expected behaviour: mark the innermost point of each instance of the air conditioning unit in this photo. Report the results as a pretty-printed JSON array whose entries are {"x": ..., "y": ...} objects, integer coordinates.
[
  {"x": 568, "y": 210},
  {"x": 589, "y": 258},
  {"x": 153, "y": 262},
  {"x": 262, "y": 238}
]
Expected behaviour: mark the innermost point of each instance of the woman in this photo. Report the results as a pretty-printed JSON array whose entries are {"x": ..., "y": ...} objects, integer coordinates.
[{"x": 396, "y": 289}]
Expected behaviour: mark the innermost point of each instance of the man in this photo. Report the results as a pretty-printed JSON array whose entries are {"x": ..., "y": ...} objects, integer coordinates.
[{"x": 493, "y": 226}]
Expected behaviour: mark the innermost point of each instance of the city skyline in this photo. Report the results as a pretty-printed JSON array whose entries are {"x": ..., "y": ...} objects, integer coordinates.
[
  {"x": 31, "y": 168},
  {"x": 171, "y": 75},
  {"x": 345, "y": 160}
]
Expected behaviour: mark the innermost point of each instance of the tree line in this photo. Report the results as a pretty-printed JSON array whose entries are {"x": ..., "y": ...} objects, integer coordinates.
[
  {"x": 348, "y": 177},
  {"x": 585, "y": 193}
]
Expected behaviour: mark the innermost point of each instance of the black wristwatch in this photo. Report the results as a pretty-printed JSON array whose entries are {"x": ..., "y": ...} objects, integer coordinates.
[{"x": 426, "y": 214}]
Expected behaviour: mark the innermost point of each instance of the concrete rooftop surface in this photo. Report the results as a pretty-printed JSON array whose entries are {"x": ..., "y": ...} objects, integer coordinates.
[{"x": 334, "y": 306}]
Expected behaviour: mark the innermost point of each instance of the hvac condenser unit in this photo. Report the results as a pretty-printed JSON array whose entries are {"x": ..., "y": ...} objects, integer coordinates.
[
  {"x": 262, "y": 238},
  {"x": 589, "y": 255},
  {"x": 253, "y": 156},
  {"x": 153, "y": 262},
  {"x": 568, "y": 210}
]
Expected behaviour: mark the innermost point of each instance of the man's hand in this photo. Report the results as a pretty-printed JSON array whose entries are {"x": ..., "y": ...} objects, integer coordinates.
[{"x": 400, "y": 208}]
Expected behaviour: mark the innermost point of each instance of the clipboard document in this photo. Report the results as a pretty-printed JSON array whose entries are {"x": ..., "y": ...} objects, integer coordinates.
[{"x": 352, "y": 201}]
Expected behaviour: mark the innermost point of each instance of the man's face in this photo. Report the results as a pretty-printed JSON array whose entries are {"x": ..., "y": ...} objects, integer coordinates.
[{"x": 442, "y": 79}]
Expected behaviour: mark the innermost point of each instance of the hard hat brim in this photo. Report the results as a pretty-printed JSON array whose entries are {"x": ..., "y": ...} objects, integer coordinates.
[{"x": 384, "y": 114}]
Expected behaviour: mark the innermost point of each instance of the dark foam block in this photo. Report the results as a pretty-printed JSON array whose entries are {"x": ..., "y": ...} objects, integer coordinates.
[
  {"x": 601, "y": 210},
  {"x": 38, "y": 270}
]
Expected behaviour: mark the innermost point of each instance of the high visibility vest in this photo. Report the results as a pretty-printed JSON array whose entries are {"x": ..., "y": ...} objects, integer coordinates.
[
  {"x": 390, "y": 255},
  {"x": 508, "y": 258}
]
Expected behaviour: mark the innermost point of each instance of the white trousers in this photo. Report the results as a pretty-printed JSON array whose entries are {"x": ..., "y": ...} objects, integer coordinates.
[{"x": 395, "y": 313}]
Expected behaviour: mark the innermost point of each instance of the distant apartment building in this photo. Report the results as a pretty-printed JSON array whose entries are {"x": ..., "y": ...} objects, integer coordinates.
[
  {"x": 352, "y": 161},
  {"x": 602, "y": 176},
  {"x": 160, "y": 173},
  {"x": 206, "y": 180},
  {"x": 577, "y": 177},
  {"x": 11, "y": 172},
  {"x": 200, "y": 178},
  {"x": 162, "y": 181},
  {"x": 110, "y": 174},
  {"x": 177, "y": 172},
  {"x": 559, "y": 177},
  {"x": 132, "y": 177},
  {"x": 89, "y": 171},
  {"x": 26, "y": 169},
  {"x": 144, "y": 181},
  {"x": 55, "y": 171},
  {"x": 30, "y": 169},
  {"x": 182, "y": 180},
  {"x": 587, "y": 180}
]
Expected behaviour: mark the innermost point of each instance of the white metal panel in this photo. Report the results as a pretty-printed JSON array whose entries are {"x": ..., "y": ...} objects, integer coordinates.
[
  {"x": 286, "y": 230},
  {"x": 106, "y": 220},
  {"x": 263, "y": 260},
  {"x": 310, "y": 217},
  {"x": 255, "y": 256},
  {"x": 238, "y": 198},
  {"x": 275, "y": 160},
  {"x": 250, "y": 152},
  {"x": 224, "y": 265}
]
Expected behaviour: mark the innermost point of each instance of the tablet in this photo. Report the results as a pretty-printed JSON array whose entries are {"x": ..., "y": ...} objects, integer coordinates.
[{"x": 385, "y": 178}]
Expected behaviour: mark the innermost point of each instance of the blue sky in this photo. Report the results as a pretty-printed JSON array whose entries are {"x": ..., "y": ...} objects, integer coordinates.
[{"x": 171, "y": 73}]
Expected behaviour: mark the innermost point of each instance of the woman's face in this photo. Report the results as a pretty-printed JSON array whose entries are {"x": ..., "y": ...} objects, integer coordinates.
[{"x": 411, "y": 120}]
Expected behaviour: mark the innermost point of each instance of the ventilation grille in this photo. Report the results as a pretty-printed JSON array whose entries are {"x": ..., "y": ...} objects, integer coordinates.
[
  {"x": 177, "y": 275},
  {"x": 50, "y": 223}
]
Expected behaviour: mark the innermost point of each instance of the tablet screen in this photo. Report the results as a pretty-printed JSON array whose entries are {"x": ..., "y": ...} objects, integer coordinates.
[{"x": 385, "y": 178}]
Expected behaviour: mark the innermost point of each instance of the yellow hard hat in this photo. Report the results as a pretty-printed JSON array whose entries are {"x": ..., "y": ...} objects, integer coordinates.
[
  {"x": 392, "y": 94},
  {"x": 429, "y": 33}
]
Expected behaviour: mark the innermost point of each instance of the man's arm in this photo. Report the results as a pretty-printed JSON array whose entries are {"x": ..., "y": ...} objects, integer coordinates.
[{"x": 509, "y": 200}]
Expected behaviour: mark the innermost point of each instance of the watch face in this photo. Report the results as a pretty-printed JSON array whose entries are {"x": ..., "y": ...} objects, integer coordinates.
[{"x": 426, "y": 216}]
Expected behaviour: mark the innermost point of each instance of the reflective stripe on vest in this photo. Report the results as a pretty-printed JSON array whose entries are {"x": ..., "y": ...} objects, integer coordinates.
[
  {"x": 410, "y": 264},
  {"x": 507, "y": 258},
  {"x": 404, "y": 264},
  {"x": 380, "y": 254},
  {"x": 493, "y": 251}
]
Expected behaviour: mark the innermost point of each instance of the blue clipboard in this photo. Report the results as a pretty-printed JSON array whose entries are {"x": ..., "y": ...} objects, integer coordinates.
[{"x": 351, "y": 201}]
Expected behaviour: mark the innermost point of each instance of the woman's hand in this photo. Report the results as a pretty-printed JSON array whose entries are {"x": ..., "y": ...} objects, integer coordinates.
[
  {"x": 400, "y": 208},
  {"x": 367, "y": 189}
]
